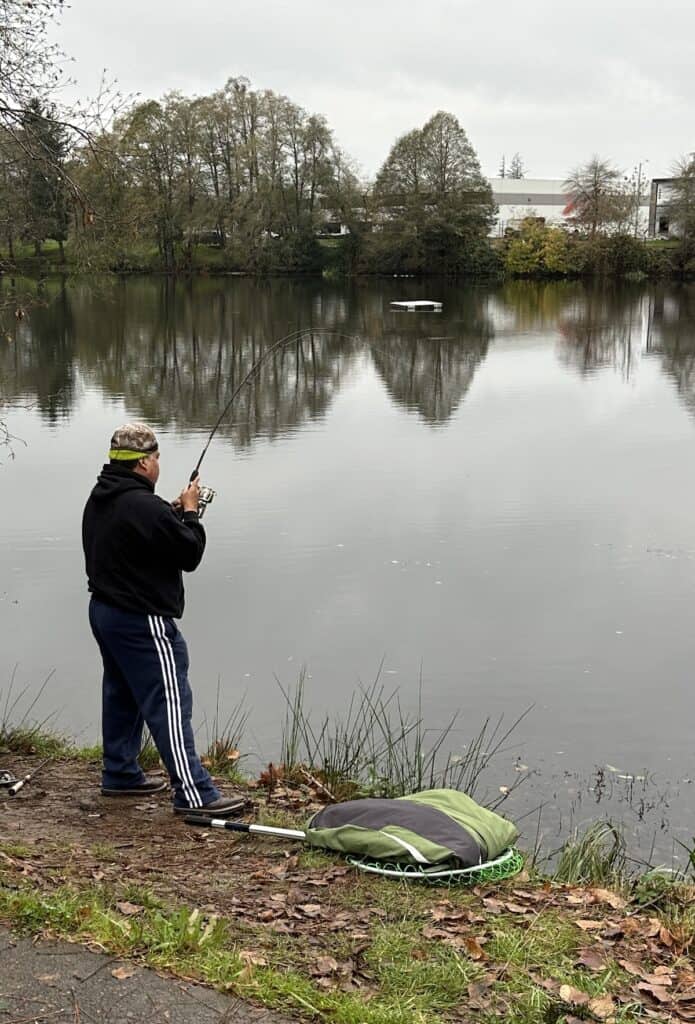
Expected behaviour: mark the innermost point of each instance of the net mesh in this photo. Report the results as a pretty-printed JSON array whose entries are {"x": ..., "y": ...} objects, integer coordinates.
[{"x": 505, "y": 866}]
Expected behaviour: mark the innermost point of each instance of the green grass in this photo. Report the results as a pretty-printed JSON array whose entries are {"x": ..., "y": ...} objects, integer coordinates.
[
  {"x": 407, "y": 977},
  {"x": 195, "y": 944},
  {"x": 597, "y": 856},
  {"x": 416, "y": 973}
]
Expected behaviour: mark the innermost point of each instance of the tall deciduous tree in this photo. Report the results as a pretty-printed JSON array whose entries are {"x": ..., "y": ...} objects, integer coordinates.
[
  {"x": 435, "y": 203},
  {"x": 599, "y": 200}
]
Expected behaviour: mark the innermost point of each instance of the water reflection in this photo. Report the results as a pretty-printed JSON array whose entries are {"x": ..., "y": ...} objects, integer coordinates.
[
  {"x": 672, "y": 336},
  {"x": 175, "y": 351},
  {"x": 603, "y": 327},
  {"x": 428, "y": 364}
]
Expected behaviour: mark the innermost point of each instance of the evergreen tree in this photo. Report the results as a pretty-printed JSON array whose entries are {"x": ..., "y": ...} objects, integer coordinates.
[
  {"x": 516, "y": 167},
  {"x": 45, "y": 147}
]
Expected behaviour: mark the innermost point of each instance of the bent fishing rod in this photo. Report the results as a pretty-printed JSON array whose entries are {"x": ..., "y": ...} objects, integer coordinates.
[{"x": 207, "y": 494}]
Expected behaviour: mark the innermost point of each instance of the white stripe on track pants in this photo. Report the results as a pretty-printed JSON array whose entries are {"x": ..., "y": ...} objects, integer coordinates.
[{"x": 146, "y": 680}]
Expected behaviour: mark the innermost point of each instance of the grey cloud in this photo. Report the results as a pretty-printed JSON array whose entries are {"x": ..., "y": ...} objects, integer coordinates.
[{"x": 557, "y": 83}]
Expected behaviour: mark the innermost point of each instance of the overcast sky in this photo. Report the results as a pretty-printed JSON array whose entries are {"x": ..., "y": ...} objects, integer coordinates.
[{"x": 556, "y": 82}]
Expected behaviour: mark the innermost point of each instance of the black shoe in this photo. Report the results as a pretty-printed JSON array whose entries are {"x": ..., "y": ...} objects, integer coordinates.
[
  {"x": 145, "y": 788},
  {"x": 224, "y": 807}
]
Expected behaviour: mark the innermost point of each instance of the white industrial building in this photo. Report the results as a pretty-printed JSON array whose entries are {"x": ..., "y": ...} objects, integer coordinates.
[
  {"x": 518, "y": 198},
  {"x": 547, "y": 198}
]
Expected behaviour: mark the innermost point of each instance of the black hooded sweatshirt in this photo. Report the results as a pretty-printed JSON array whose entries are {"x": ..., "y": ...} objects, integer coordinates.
[{"x": 135, "y": 545}]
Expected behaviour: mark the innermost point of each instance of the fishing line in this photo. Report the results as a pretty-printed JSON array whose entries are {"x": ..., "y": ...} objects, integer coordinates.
[
  {"x": 287, "y": 339},
  {"x": 296, "y": 335}
]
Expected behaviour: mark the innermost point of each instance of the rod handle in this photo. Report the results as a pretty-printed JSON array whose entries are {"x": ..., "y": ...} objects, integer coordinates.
[
  {"x": 13, "y": 790},
  {"x": 210, "y": 822}
]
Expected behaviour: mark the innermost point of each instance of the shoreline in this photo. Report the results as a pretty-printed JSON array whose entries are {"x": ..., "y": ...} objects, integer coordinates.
[{"x": 299, "y": 930}]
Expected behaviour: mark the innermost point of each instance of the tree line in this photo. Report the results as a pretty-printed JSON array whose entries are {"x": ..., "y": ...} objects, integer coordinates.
[
  {"x": 246, "y": 180},
  {"x": 252, "y": 175}
]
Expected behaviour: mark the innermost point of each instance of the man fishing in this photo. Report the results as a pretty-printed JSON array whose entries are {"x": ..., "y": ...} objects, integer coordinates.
[{"x": 136, "y": 546}]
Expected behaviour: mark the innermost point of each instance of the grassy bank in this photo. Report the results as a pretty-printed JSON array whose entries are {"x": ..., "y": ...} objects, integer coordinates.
[{"x": 301, "y": 931}]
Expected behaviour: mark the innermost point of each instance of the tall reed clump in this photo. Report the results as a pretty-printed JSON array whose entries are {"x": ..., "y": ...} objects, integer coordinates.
[
  {"x": 375, "y": 748},
  {"x": 19, "y": 733},
  {"x": 597, "y": 856},
  {"x": 222, "y": 754}
]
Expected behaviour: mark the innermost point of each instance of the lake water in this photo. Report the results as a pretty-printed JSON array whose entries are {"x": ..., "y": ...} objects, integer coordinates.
[{"x": 498, "y": 499}]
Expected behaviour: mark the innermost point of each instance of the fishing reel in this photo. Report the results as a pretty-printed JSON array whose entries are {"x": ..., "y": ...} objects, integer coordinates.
[{"x": 205, "y": 496}]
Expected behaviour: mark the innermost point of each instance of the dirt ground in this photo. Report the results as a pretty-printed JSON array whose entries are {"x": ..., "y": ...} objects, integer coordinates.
[{"x": 75, "y": 832}]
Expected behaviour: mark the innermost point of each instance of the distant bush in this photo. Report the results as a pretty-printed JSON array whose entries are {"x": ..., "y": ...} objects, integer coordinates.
[{"x": 536, "y": 250}]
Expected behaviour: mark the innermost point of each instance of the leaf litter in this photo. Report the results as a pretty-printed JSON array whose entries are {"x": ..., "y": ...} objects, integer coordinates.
[{"x": 332, "y": 916}]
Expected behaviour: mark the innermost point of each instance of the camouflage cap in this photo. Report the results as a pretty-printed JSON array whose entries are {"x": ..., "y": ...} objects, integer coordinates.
[{"x": 132, "y": 440}]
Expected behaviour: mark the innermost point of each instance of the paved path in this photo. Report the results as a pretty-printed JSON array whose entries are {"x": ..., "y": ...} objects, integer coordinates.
[{"x": 58, "y": 982}]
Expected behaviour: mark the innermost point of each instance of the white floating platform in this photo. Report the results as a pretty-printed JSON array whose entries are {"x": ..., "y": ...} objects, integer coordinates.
[{"x": 418, "y": 306}]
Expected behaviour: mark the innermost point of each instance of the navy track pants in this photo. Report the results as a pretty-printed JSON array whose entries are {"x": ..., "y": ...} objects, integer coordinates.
[{"x": 146, "y": 680}]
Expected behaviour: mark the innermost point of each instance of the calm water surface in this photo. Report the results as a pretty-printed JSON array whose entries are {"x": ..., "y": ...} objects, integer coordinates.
[{"x": 499, "y": 498}]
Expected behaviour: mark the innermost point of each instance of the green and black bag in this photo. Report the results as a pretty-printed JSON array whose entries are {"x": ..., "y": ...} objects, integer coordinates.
[{"x": 435, "y": 827}]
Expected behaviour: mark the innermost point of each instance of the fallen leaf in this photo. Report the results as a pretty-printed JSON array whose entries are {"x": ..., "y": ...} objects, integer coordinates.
[
  {"x": 602, "y": 1007},
  {"x": 478, "y": 996},
  {"x": 129, "y": 909},
  {"x": 517, "y": 908},
  {"x": 661, "y": 977},
  {"x": 611, "y": 898},
  {"x": 310, "y": 909},
  {"x": 252, "y": 959},
  {"x": 325, "y": 965},
  {"x": 123, "y": 972},
  {"x": 573, "y": 996},
  {"x": 492, "y": 905},
  {"x": 430, "y": 932},
  {"x": 658, "y": 992},
  {"x": 589, "y": 926},
  {"x": 267, "y": 915},
  {"x": 631, "y": 967},
  {"x": 474, "y": 949},
  {"x": 591, "y": 959}
]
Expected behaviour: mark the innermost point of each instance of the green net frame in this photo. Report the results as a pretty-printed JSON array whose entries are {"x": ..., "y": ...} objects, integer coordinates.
[{"x": 506, "y": 865}]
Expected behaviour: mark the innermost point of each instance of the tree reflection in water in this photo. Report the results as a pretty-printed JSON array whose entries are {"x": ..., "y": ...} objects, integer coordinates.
[
  {"x": 603, "y": 326},
  {"x": 428, "y": 364},
  {"x": 174, "y": 351},
  {"x": 671, "y": 335}
]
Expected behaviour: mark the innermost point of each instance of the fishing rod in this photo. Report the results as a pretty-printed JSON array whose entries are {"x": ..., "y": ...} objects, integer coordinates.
[
  {"x": 292, "y": 336},
  {"x": 13, "y": 790},
  {"x": 206, "y": 493}
]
